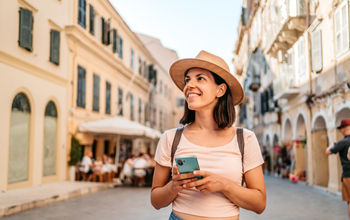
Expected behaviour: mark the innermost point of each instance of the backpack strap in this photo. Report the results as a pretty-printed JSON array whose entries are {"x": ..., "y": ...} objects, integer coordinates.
[
  {"x": 240, "y": 140},
  {"x": 175, "y": 143}
]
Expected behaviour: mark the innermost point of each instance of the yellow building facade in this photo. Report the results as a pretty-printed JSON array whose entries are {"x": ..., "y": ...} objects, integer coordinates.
[
  {"x": 294, "y": 62},
  {"x": 66, "y": 63},
  {"x": 34, "y": 100}
]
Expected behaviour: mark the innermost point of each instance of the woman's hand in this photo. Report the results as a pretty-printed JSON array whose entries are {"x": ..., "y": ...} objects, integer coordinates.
[
  {"x": 209, "y": 183},
  {"x": 178, "y": 180}
]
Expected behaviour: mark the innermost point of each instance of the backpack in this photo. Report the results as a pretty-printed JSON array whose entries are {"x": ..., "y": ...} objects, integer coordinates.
[{"x": 177, "y": 138}]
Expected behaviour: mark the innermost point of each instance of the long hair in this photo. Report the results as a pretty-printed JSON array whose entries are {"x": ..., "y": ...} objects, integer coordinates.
[{"x": 224, "y": 111}]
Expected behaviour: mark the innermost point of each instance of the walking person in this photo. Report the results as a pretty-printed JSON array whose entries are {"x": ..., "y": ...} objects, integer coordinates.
[
  {"x": 342, "y": 147},
  {"x": 211, "y": 92}
]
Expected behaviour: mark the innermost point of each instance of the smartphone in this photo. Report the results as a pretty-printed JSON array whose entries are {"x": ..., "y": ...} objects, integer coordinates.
[{"x": 187, "y": 164}]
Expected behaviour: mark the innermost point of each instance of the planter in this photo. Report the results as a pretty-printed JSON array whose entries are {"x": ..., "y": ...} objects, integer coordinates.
[{"x": 72, "y": 173}]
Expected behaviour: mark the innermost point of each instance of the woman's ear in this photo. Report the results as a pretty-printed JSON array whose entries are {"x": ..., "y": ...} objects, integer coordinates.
[{"x": 221, "y": 90}]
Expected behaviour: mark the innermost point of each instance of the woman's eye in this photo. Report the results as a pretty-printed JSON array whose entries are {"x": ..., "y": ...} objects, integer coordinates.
[
  {"x": 187, "y": 80},
  {"x": 200, "y": 78}
]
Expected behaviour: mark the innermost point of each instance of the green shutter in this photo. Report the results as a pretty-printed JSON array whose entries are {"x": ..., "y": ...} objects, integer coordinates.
[
  {"x": 115, "y": 40},
  {"x": 103, "y": 30},
  {"x": 25, "y": 29},
  {"x": 82, "y": 13},
  {"x": 92, "y": 23},
  {"x": 55, "y": 46},
  {"x": 120, "y": 47}
]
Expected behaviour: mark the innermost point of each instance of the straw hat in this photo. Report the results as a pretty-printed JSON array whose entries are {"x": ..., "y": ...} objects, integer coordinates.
[{"x": 208, "y": 61}]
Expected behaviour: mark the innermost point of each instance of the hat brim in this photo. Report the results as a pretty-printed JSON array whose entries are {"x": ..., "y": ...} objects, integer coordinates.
[
  {"x": 179, "y": 67},
  {"x": 342, "y": 126}
]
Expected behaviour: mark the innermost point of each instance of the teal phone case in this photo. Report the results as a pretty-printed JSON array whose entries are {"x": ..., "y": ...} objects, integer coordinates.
[{"x": 187, "y": 165}]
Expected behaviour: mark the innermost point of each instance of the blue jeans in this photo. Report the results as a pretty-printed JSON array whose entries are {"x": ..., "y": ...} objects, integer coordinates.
[{"x": 174, "y": 217}]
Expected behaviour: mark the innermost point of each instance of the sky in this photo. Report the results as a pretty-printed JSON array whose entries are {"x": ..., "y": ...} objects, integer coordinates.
[{"x": 187, "y": 26}]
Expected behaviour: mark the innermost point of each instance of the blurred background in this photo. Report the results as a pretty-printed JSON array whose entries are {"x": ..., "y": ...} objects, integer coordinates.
[{"x": 86, "y": 92}]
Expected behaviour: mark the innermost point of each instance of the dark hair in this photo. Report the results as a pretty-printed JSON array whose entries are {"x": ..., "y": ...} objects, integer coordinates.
[{"x": 224, "y": 111}]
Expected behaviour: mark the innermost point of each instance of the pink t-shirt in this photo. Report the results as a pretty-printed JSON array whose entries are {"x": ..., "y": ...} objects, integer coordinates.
[{"x": 223, "y": 160}]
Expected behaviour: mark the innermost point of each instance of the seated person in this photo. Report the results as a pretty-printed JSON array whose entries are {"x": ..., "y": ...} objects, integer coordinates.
[
  {"x": 140, "y": 166},
  {"x": 86, "y": 166},
  {"x": 98, "y": 169}
]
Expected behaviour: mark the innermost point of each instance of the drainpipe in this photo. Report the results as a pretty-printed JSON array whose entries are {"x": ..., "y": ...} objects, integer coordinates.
[{"x": 310, "y": 95}]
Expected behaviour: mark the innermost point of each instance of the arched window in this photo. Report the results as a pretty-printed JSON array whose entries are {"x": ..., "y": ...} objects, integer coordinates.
[
  {"x": 50, "y": 140},
  {"x": 19, "y": 139}
]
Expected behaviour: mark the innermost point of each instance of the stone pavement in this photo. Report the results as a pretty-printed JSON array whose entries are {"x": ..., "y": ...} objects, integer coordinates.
[
  {"x": 285, "y": 201},
  {"x": 14, "y": 201}
]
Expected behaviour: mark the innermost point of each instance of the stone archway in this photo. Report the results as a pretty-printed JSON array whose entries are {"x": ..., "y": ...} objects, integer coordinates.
[
  {"x": 288, "y": 131},
  {"x": 300, "y": 145},
  {"x": 320, "y": 143}
]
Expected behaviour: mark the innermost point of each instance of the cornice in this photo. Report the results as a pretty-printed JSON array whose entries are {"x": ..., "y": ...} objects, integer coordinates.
[{"x": 32, "y": 69}]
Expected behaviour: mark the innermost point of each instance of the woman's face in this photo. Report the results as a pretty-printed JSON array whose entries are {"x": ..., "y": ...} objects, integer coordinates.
[{"x": 200, "y": 89}]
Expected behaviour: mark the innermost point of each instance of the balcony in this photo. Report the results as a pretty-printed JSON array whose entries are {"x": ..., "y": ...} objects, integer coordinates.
[
  {"x": 286, "y": 23},
  {"x": 284, "y": 88}
]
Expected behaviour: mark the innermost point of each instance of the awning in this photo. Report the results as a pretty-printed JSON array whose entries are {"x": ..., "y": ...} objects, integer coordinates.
[{"x": 119, "y": 126}]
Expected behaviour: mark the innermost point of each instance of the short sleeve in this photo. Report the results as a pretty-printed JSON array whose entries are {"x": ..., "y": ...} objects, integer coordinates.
[
  {"x": 338, "y": 146},
  {"x": 163, "y": 154},
  {"x": 252, "y": 152}
]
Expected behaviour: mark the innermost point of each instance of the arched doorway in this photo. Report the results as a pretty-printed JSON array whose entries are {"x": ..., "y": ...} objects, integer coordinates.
[
  {"x": 300, "y": 146},
  {"x": 320, "y": 143},
  {"x": 19, "y": 140}
]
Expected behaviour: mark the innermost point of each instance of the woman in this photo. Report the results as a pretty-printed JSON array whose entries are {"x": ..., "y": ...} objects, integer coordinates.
[{"x": 211, "y": 93}]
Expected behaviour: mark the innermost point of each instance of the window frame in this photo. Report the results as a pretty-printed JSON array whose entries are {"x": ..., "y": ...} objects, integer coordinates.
[{"x": 96, "y": 93}]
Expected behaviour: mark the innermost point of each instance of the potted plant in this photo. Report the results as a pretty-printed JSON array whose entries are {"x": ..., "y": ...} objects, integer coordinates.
[{"x": 75, "y": 155}]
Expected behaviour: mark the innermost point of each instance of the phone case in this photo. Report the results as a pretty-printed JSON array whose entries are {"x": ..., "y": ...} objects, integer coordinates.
[{"x": 187, "y": 164}]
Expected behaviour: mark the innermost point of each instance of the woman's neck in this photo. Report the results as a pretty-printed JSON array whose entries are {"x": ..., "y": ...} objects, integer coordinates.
[{"x": 204, "y": 120}]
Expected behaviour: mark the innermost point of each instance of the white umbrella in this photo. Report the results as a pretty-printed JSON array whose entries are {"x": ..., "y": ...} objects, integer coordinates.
[{"x": 120, "y": 126}]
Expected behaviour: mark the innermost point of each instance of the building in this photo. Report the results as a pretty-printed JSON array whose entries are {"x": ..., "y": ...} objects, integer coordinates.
[
  {"x": 293, "y": 57},
  {"x": 34, "y": 93},
  {"x": 165, "y": 93},
  {"x": 66, "y": 64}
]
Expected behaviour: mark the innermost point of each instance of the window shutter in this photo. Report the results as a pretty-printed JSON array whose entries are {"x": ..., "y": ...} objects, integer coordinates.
[
  {"x": 55, "y": 46},
  {"x": 82, "y": 13},
  {"x": 316, "y": 51},
  {"x": 81, "y": 87},
  {"x": 92, "y": 23},
  {"x": 108, "y": 33},
  {"x": 25, "y": 29},
  {"x": 96, "y": 94},
  {"x": 345, "y": 26},
  {"x": 103, "y": 30},
  {"x": 120, "y": 47},
  {"x": 337, "y": 31},
  {"x": 115, "y": 43},
  {"x": 108, "y": 98}
]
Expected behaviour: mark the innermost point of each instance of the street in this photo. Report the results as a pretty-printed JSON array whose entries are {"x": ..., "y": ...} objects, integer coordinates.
[{"x": 285, "y": 201}]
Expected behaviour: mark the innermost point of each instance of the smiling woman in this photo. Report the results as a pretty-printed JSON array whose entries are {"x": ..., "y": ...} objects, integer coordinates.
[{"x": 209, "y": 135}]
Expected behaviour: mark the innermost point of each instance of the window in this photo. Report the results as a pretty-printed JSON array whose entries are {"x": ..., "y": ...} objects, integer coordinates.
[
  {"x": 120, "y": 47},
  {"x": 140, "y": 66},
  {"x": 82, "y": 13},
  {"x": 92, "y": 20},
  {"x": 132, "y": 58},
  {"x": 55, "y": 47},
  {"x": 300, "y": 58},
  {"x": 108, "y": 98},
  {"x": 140, "y": 109},
  {"x": 341, "y": 21},
  {"x": 50, "y": 139},
  {"x": 120, "y": 101},
  {"x": 81, "y": 87},
  {"x": 132, "y": 115},
  {"x": 25, "y": 29},
  {"x": 19, "y": 139},
  {"x": 96, "y": 95},
  {"x": 316, "y": 50},
  {"x": 180, "y": 102},
  {"x": 115, "y": 43}
]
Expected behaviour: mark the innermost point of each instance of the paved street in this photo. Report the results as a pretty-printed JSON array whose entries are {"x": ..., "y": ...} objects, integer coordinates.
[{"x": 285, "y": 201}]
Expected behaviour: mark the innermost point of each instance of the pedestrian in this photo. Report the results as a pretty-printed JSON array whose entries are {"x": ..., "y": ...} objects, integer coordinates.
[
  {"x": 211, "y": 92},
  {"x": 342, "y": 147}
]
